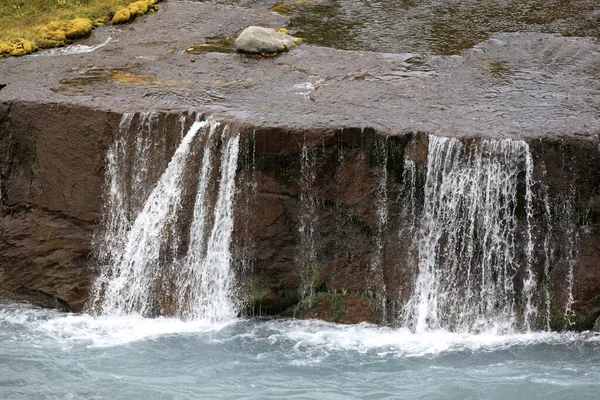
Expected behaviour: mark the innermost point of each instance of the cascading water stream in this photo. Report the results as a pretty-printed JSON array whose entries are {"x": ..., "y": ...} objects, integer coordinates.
[
  {"x": 125, "y": 182},
  {"x": 143, "y": 271},
  {"x": 211, "y": 280},
  {"x": 132, "y": 279},
  {"x": 382, "y": 218},
  {"x": 307, "y": 256},
  {"x": 474, "y": 222},
  {"x": 472, "y": 243}
]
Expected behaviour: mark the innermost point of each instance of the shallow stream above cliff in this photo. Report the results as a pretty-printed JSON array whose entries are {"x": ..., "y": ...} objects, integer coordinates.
[
  {"x": 426, "y": 27},
  {"x": 50, "y": 355}
]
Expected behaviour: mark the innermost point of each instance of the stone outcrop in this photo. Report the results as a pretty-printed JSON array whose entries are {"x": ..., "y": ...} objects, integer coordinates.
[
  {"x": 51, "y": 186},
  {"x": 256, "y": 39}
]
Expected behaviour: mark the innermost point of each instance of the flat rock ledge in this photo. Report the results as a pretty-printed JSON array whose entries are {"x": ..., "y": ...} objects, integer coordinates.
[{"x": 257, "y": 40}]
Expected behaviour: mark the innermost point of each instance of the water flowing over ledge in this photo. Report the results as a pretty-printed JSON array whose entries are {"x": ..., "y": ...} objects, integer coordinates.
[
  {"x": 421, "y": 232},
  {"x": 472, "y": 246},
  {"x": 145, "y": 270},
  {"x": 338, "y": 192}
]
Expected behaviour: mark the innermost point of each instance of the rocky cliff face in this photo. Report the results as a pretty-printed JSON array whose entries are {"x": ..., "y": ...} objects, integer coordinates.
[
  {"x": 315, "y": 234},
  {"x": 52, "y": 178},
  {"x": 327, "y": 221},
  {"x": 334, "y": 224}
]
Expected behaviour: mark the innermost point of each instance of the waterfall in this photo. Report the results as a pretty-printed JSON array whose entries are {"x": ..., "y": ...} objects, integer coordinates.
[
  {"x": 410, "y": 201},
  {"x": 485, "y": 240},
  {"x": 128, "y": 180},
  {"x": 206, "y": 287},
  {"x": 377, "y": 261},
  {"x": 566, "y": 215},
  {"x": 472, "y": 243},
  {"x": 307, "y": 255},
  {"x": 408, "y": 196},
  {"x": 548, "y": 248},
  {"x": 144, "y": 269}
]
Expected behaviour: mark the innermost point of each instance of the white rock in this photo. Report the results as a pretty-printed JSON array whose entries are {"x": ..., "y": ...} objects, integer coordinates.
[{"x": 256, "y": 39}]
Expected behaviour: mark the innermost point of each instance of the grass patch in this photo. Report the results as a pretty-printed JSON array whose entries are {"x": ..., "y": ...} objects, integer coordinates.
[{"x": 29, "y": 25}]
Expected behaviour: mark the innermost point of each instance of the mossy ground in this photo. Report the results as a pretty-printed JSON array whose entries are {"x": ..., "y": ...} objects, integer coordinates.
[{"x": 29, "y": 25}]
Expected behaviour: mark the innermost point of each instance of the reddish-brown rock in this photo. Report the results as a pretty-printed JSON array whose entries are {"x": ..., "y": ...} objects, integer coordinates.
[
  {"x": 52, "y": 182},
  {"x": 352, "y": 268}
]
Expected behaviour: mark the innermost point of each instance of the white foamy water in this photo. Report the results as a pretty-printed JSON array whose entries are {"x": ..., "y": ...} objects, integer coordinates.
[
  {"x": 48, "y": 354},
  {"x": 144, "y": 270},
  {"x": 364, "y": 338},
  {"x": 72, "y": 49},
  {"x": 69, "y": 330},
  {"x": 472, "y": 243}
]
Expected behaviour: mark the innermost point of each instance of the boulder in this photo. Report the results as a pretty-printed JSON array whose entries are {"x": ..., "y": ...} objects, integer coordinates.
[{"x": 256, "y": 39}]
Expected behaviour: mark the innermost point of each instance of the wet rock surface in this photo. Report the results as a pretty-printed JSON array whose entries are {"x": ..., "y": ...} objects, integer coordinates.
[
  {"x": 59, "y": 115},
  {"x": 514, "y": 84},
  {"x": 52, "y": 164},
  {"x": 258, "y": 40}
]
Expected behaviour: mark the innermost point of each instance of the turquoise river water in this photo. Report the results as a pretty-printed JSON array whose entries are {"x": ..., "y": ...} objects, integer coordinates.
[{"x": 46, "y": 354}]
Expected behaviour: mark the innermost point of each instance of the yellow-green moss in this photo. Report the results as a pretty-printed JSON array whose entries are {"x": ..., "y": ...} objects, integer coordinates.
[
  {"x": 132, "y": 10},
  {"x": 59, "y": 33},
  {"x": 138, "y": 8},
  {"x": 297, "y": 41},
  {"x": 16, "y": 47},
  {"x": 101, "y": 21},
  {"x": 27, "y": 27},
  {"x": 79, "y": 27},
  {"x": 121, "y": 16}
]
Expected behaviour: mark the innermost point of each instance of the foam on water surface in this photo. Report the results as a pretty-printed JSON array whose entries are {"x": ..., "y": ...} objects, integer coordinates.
[
  {"x": 48, "y": 354},
  {"x": 72, "y": 49},
  {"x": 69, "y": 330},
  {"x": 45, "y": 327}
]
